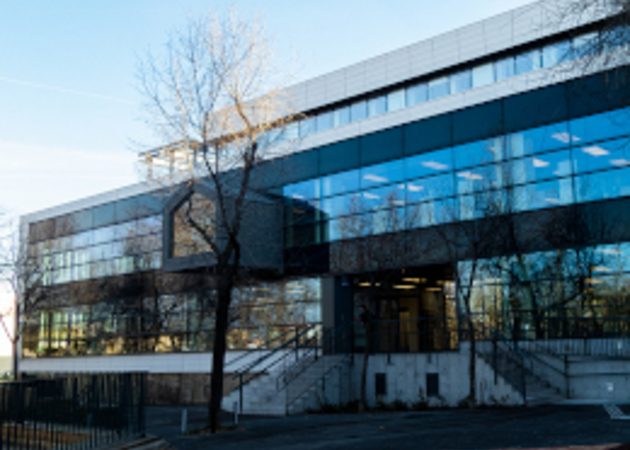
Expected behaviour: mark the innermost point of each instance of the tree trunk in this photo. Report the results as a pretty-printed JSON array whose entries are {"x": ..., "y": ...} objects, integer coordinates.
[
  {"x": 224, "y": 296},
  {"x": 366, "y": 356},
  {"x": 472, "y": 395},
  {"x": 16, "y": 341}
]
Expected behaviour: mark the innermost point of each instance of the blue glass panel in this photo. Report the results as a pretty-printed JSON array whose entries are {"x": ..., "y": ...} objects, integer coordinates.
[
  {"x": 479, "y": 179},
  {"x": 482, "y": 204},
  {"x": 556, "y": 53},
  {"x": 308, "y": 126},
  {"x": 537, "y": 168},
  {"x": 542, "y": 195},
  {"x": 341, "y": 206},
  {"x": 431, "y": 213},
  {"x": 538, "y": 140},
  {"x": 384, "y": 221},
  {"x": 341, "y": 116},
  {"x": 429, "y": 188},
  {"x": 377, "y": 106},
  {"x": 603, "y": 185},
  {"x": 385, "y": 197},
  {"x": 527, "y": 62},
  {"x": 586, "y": 44},
  {"x": 340, "y": 182},
  {"x": 461, "y": 81},
  {"x": 358, "y": 111},
  {"x": 439, "y": 88},
  {"x": 428, "y": 164},
  {"x": 480, "y": 152},
  {"x": 305, "y": 190},
  {"x": 600, "y": 126},
  {"x": 504, "y": 69},
  {"x": 396, "y": 100},
  {"x": 417, "y": 94},
  {"x": 482, "y": 75},
  {"x": 604, "y": 155},
  {"x": 381, "y": 174},
  {"x": 325, "y": 121},
  {"x": 347, "y": 228},
  {"x": 105, "y": 234}
]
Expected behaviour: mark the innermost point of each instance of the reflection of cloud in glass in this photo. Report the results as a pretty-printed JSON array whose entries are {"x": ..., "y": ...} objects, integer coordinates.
[
  {"x": 371, "y": 196},
  {"x": 596, "y": 151},
  {"x": 621, "y": 162},
  {"x": 609, "y": 251},
  {"x": 551, "y": 200},
  {"x": 565, "y": 137},
  {"x": 539, "y": 163},
  {"x": 470, "y": 176},
  {"x": 435, "y": 165},
  {"x": 415, "y": 188},
  {"x": 375, "y": 178}
]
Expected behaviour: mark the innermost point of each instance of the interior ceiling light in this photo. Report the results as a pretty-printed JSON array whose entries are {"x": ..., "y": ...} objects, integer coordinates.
[
  {"x": 470, "y": 176},
  {"x": 435, "y": 165},
  {"x": 553, "y": 201},
  {"x": 404, "y": 286},
  {"x": 433, "y": 289},
  {"x": 365, "y": 284},
  {"x": 412, "y": 280},
  {"x": 375, "y": 178},
  {"x": 594, "y": 281},
  {"x": 596, "y": 151},
  {"x": 539, "y": 163},
  {"x": 601, "y": 269}
]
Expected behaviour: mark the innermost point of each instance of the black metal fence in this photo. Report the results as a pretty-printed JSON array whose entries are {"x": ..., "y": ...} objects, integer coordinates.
[{"x": 82, "y": 411}]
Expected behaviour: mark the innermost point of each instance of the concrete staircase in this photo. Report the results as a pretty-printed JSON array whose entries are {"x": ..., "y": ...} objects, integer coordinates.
[{"x": 315, "y": 384}]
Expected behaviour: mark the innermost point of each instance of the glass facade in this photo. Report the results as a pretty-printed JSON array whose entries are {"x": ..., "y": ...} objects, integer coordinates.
[
  {"x": 173, "y": 323},
  {"x": 435, "y": 88},
  {"x": 581, "y": 160},
  {"x": 574, "y": 293},
  {"x": 119, "y": 249}
]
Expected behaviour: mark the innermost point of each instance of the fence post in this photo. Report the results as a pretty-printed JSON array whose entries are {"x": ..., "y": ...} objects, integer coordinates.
[
  {"x": 297, "y": 343},
  {"x": 240, "y": 390},
  {"x": 494, "y": 358},
  {"x": 566, "y": 377}
]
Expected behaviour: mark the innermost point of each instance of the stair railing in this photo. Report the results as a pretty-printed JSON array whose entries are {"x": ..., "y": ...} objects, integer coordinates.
[{"x": 264, "y": 363}]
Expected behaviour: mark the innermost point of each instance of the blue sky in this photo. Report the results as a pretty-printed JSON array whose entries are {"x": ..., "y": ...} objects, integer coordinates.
[{"x": 70, "y": 114}]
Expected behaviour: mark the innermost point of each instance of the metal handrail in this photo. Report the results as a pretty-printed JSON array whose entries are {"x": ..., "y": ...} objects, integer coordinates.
[{"x": 264, "y": 346}]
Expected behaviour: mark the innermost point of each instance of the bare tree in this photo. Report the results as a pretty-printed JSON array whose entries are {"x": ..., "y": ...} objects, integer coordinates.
[{"x": 216, "y": 103}]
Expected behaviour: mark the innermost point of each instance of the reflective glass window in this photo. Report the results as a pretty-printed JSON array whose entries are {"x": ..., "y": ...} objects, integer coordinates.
[
  {"x": 479, "y": 179},
  {"x": 601, "y": 156},
  {"x": 358, "y": 111},
  {"x": 417, "y": 94},
  {"x": 396, "y": 100},
  {"x": 149, "y": 225},
  {"x": 104, "y": 234},
  {"x": 603, "y": 185},
  {"x": 527, "y": 62},
  {"x": 439, "y": 88},
  {"x": 429, "y": 188},
  {"x": 586, "y": 44},
  {"x": 482, "y": 75},
  {"x": 384, "y": 221},
  {"x": 480, "y": 205},
  {"x": 291, "y": 131},
  {"x": 385, "y": 197},
  {"x": 377, "y": 106},
  {"x": 504, "y": 69},
  {"x": 542, "y": 195},
  {"x": 341, "y": 116},
  {"x": 538, "y": 140},
  {"x": 82, "y": 239},
  {"x": 537, "y": 168},
  {"x": 187, "y": 239},
  {"x": 600, "y": 126},
  {"x": 305, "y": 190},
  {"x": 308, "y": 126},
  {"x": 347, "y": 228},
  {"x": 342, "y": 205},
  {"x": 480, "y": 152},
  {"x": 615, "y": 37},
  {"x": 431, "y": 213},
  {"x": 381, "y": 174},
  {"x": 556, "y": 53},
  {"x": 325, "y": 121},
  {"x": 428, "y": 164},
  {"x": 461, "y": 81},
  {"x": 340, "y": 182}
]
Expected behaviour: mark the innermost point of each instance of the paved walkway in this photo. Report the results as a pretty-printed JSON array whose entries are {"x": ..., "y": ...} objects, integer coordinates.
[{"x": 538, "y": 427}]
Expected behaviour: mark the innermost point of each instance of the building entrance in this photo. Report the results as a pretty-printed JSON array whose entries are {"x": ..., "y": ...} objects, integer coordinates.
[{"x": 411, "y": 310}]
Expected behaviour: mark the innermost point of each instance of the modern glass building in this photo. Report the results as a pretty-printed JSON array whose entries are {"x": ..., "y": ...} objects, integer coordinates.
[{"x": 480, "y": 178}]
